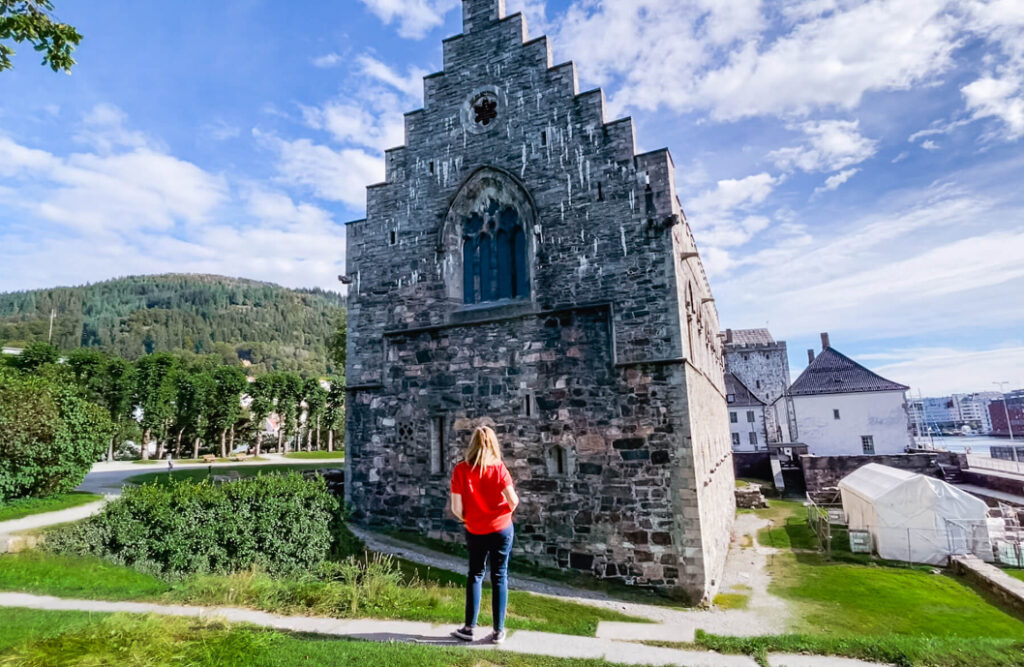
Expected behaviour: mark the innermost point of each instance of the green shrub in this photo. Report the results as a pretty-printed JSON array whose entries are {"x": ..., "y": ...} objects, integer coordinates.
[
  {"x": 49, "y": 436},
  {"x": 276, "y": 523}
]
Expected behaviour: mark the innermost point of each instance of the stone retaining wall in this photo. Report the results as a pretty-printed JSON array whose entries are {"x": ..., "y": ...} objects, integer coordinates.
[
  {"x": 1007, "y": 589},
  {"x": 822, "y": 473}
]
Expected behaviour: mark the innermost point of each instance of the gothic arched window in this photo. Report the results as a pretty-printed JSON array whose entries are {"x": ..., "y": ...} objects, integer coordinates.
[{"x": 494, "y": 257}]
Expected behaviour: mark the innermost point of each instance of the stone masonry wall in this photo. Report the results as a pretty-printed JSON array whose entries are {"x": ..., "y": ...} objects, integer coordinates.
[
  {"x": 822, "y": 473},
  {"x": 613, "y": 357}
]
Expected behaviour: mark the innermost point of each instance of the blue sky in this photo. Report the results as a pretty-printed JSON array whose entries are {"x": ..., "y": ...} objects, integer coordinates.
[{"x": 847, "y": 166}]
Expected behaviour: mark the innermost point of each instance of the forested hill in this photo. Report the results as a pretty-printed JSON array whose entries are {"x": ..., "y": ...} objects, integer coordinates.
[{"x": 271, "y": 327}]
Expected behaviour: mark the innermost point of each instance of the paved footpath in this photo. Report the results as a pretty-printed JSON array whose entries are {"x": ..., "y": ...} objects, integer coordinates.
[{"x": 521, "y": 641}]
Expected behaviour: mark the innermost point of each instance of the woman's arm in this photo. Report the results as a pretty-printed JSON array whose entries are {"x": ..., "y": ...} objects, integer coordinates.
[
  {"x": 457, "y": 506},
  {"x": 510, "y": 497}
]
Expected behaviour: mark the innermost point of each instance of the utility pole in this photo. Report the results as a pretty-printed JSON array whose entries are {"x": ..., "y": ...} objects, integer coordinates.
[
  {"x": 53, "y": 314},
  {"x": 1006, "y": 409}
]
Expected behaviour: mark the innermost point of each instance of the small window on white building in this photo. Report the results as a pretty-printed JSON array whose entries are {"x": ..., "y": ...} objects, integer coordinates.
[
  {"x": 735, "y": 438},
  {"x": 835, "y": 414},
  {"x": 730, "y": 398},
  {"x": 733, "y": 417},
  {"x": 750, "y": 416},
  {"x": 753, "y": 438},
  {"x": 868, "y": 444}
]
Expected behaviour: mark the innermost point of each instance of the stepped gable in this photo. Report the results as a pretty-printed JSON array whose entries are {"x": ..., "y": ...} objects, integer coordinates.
[{"x": 832, "y": 372}]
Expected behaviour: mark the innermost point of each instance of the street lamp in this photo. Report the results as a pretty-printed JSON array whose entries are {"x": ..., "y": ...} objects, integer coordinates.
[{"x": 1006, "y": 409}]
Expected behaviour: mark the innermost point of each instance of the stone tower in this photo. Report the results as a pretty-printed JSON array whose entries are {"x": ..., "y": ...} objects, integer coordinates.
[{"x": 523, "y": 266}]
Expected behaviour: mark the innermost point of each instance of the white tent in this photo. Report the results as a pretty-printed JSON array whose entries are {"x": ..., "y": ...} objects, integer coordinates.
[{"x": 913, "y": 517}]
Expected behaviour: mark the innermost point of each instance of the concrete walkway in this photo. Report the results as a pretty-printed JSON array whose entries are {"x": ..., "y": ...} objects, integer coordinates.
[
  {"x": 108, "y": 478},
  {"x": 521, "y": 641}
]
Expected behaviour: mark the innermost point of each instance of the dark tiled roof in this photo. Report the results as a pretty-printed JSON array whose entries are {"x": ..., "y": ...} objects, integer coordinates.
[
  {"x": 741, "y": 395},
  {"x": 751, "y": 337},
  {"x": 832, "y": 372}
]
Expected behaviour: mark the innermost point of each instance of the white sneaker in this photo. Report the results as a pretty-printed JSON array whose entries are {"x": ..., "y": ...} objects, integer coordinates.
[{"x": 497, "y": 637}]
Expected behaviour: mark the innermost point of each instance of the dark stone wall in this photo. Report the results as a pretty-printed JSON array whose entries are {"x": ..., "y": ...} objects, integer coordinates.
[
  {"x": 822, "y": 473},
  {"x": 752, "y": 465},
  {"x": 615, "y": 350},
  {"x": 995, "y": 482}
]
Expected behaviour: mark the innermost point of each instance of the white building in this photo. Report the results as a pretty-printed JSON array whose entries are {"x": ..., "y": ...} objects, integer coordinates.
[
  {"x": 746, "y": 416},
  {"x": 843, "y": 409}
]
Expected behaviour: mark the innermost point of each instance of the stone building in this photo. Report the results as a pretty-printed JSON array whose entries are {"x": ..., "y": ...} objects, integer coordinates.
[
  {"x": 523, "y": 266},
  {"x": 761, "y": 364}
]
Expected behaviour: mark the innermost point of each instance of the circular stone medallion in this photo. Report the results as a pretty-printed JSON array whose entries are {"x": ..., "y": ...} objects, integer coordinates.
[{"x": 481, "y": 111}]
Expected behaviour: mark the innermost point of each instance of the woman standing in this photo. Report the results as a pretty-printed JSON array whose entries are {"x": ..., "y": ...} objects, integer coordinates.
[{"x": 483, "y": 498}]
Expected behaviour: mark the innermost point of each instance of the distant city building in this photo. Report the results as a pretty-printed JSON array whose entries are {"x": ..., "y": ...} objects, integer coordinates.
[
  {"x": 844, "y": 409},
  {"x": 761, "y": 364},
  {"x": 954, "y": 413},
  {"x": 1012, "y": 404},
  {"x": 746, "y": 416}
]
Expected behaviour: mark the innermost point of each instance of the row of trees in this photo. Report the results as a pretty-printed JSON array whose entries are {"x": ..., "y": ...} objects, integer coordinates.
[{"x": 192, "y": 403}]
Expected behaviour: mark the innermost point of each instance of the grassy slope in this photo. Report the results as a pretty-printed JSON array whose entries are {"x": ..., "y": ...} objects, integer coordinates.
[
  {"x": 245, "y": 470},
  {"x": 427, "y": 594},
  {"x": 69, "y": 638},
  {"x": 872, "y": 610},
  {"x": 16, "y": 509}
]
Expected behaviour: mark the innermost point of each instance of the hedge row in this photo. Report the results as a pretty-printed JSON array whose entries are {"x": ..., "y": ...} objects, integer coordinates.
[{"x": 276, "y": 523}]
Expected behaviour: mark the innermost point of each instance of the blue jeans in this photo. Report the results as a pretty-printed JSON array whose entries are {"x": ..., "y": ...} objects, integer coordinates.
[{"x": 498, "y": 548}]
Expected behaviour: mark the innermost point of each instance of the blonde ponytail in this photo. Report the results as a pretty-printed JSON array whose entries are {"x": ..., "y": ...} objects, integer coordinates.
[{"x": 483, "y": 449}]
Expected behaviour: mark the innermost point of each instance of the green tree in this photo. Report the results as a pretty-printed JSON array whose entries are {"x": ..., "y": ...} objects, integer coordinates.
[
  {"x": 117, "y": 394},
  {"x": 32, "y": 21},
  {"x": 264, "y": 394},
  {"x": 334, "y": 411},
  {"x": 315, "y": 398},
  {"x": 154, "y": 395},
  {"x": 224, "y": 404},
  {"x": 36, "y": 355},
  {"x": 49, "y": 435},
  {"x": 337, "y": 345},
  {"x": 192, "y": 390}
]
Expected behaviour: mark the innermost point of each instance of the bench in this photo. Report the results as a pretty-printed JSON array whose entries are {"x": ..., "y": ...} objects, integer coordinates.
[
  {"x": 209, "y": 458},
  {"x": 240, "y": 456}
]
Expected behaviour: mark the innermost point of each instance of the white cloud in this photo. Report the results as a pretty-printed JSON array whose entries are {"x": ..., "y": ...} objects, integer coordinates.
[
  {"x": 929, "y": 145},
  {"x": 729, "y": 59},
  {"x": 333, "y": 175},
  {"x": 1001, "y": 98},
  {"x": 360, "y": 124},
  {"x": 835, "y": 180},
  {"x": 103, "y": 128},
  {"x": 729, "y": 194},
  {"x": 409, "y": 84},
  {"x": 131, "y": 210},
  {"x": 944, "y": 371},
  {"x": 414, "y": 18},
  {"x": 831, "y": 145},
  {"x": 327, "y": 60}
]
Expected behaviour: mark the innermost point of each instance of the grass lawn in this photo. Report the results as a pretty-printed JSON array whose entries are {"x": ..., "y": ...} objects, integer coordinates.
[
  {"x": 1016, "y": 574},
  {"x": 66, "y": 638},
  {"x": 16, "y": 509},
  {"x": 199, "y": 474},
  {"x": 191, "y": 461},
  {"x": 315, "y": 455},
  {"x": 67, "y": 576},
  {"x": 789, "y": 529},
  {"x": 415, "y": 593}
]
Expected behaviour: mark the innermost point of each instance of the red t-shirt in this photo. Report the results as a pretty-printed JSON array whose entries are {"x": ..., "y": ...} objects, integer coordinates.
[{"x": 484, "y": 506}]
